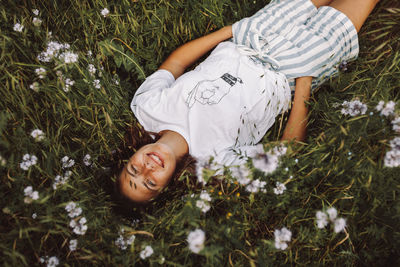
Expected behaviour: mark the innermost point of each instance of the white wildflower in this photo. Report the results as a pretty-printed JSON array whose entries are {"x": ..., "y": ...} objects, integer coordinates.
[
  {"x": 3, "y": 161},
  {"x": 130, "y": 239},
  {"x": 395, "y": 143},
  {"x": 196, "y": 240},
  {"x": 200, "y": 178},
  {"x": 354, "y": 108},
  {"x": 53, "y": 261},
  {"x": 35, "y": 195},
  {"x": 28, "y": 190},
  {"x": 96, "y": 84},
  {"x": 388, "y": 110},
  {"x": 36, "y": 21},
  {"x": 105, "y": 12},
  {"x": 135, "y": 222},
  {"x": 380, "y": 105},
  {"x": 50, "y": 262},
  {"x": 73, "y": 244},
  {"x": 82, "y": 220},
  {"x": 285, "y": 234},
  {"x": 203, "y": 205},
  {"x": 68, "y": 83},
  {"x": 266, "y": 162},
  {"x": 40, "y": 72},
  {"x": 72, "y": 223},
  {"x": 123, "y": 242},
  {"x": 146, "y": 252},
  {"x": 35, "y": 86},
  {"x": 34, "y": 215},
  {"x": 332, "y": 213},
  {"x": 396, "y": 124},
  {"x": 255, "y": 186},
  {"x": 70, "y": 206},
  {"x": 202, "y": 163},
  {"x": 241, "y": 174},
  {"x": 322, "y": 219},
  {"x": 69, "y": 57},
  {"x": 91, "y": 69},
  {"x": 281, "y": 237},
  {"x": 339, "y": 225},
  {"x": 253, "y": 151},
  {"x": 52, "y": 50},
  {"x": 279, "y": 189},
  {"x": 67, "y": 162},
  {"x": 280, "y": 244},
  {"x": 280, "y": 150},
  {"x": 28, "y": 161},
  {"x": 205, "y": 196},
  {"x": 80, "y": 227},
  {"x": 18, "y": 27},
  {"x": 30, "y": 195},
  {"x": 61, "y": 180},
  {"x": 120, "y": 242},
  {"x": 116, "y": 79},
  {"x": 35, "y": 12},
  {"x": 392, "y": 158},
  {"x": 73, "y": 209},
  {"x": 24, "y": 165},
  {"x": 87, "y": 160},
  {"x": 38, "y": 135}
]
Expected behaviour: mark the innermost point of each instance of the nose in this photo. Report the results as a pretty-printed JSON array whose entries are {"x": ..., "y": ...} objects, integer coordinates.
[{"x": 149, "y": 166}]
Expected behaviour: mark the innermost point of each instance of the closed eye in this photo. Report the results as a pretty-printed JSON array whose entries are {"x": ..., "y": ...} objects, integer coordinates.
[
  {"x": 147, "y": 186},
  {"x": 133, "y": 171},
  {"x": 151, "y": 183},
  {"x": 132, "y": 174}
]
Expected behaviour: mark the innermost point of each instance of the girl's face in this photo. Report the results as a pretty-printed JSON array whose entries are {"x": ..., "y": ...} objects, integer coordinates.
[{"x": 147, "y": 172}]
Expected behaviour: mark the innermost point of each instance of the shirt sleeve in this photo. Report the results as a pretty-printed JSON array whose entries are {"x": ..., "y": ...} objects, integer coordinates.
[{"x": 158, "y": 81}]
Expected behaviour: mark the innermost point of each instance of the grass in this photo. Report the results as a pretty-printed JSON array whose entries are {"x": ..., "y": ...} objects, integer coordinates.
[{"x": 341, "y": 164}]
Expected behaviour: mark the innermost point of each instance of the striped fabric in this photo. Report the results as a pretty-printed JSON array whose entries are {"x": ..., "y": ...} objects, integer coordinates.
[{"x": 297, "y": 39}]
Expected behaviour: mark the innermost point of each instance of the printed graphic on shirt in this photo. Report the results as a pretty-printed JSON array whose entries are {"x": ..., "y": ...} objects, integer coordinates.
[{"x": 210, "y": 92}]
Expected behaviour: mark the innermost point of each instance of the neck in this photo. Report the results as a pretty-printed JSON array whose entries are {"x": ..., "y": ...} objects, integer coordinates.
[{"x": 175, "y": 142}]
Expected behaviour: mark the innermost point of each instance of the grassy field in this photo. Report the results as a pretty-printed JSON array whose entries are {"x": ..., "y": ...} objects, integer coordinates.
[{"x": 71, "y": 70}]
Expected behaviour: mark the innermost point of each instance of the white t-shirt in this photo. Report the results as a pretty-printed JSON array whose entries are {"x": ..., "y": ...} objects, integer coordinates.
[{"x": 225, "y": 105}]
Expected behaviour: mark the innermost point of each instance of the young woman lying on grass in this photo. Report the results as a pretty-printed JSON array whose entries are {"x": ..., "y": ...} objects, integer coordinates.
[{"x": 226, "y": 104}]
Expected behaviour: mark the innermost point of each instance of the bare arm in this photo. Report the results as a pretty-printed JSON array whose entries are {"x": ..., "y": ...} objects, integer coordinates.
[
  {"x": 296, "y": 126},
  {"x": 188, "y": 53}
]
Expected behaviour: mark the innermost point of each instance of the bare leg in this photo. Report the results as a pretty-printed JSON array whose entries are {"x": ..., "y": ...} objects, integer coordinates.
[
  {"x": 319, "y": 3},
  {"x": 356, "y": 10}
]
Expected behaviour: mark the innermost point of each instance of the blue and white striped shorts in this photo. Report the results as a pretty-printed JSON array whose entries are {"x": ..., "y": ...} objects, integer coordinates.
[{"x": 295, "y": 38}]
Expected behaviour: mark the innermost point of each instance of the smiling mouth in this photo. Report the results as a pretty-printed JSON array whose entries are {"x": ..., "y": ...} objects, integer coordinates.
[{"x": 156, "y": 158}]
